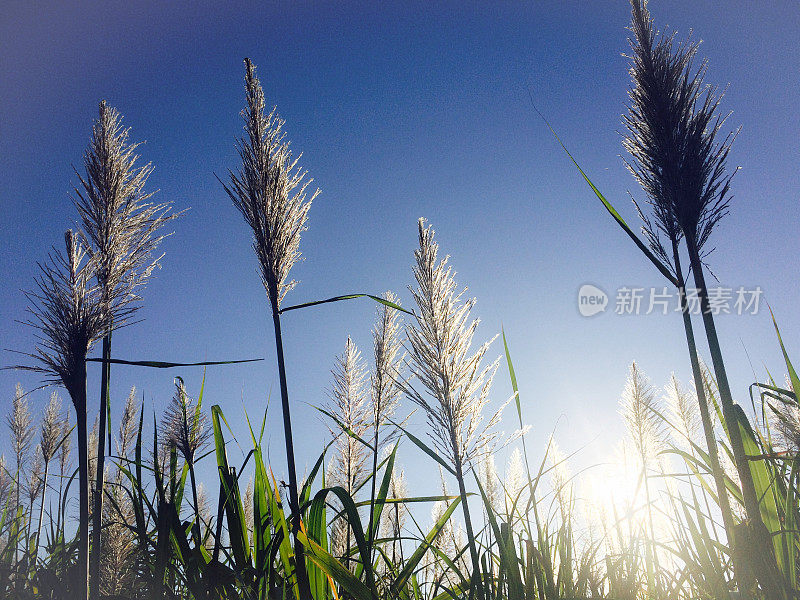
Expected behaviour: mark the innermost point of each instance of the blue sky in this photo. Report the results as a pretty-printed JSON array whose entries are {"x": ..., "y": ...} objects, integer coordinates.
[{"x": 401, "y": 111}]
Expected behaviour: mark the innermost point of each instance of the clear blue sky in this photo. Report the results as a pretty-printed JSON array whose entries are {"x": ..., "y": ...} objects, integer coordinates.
[{"x": 401, "y": 111}]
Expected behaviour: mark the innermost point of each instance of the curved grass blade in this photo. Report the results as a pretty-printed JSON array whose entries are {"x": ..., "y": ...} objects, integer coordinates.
[
  {"x": 335, "y": 570},
  {"x": 426, "y": 449},
  {"x": 377, "y": 299},
  {"x": 411, "y": 564},
  {"x": 612, "y": 211},
  {"x": 157, "y": 364}
]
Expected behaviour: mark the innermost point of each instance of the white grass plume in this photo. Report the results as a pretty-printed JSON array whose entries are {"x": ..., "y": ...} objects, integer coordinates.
[
  {"x": 270, "y": 191},
  {"x": 385, "y": 392},
  {"x": 348, "y": 401},
  {"x": 683, "y": 411},
  {"x": 455, "y": 385},
  {"x": 51, "y": 429},
  {"x": 644, "y": 426},
  {"x": 22, "y": 432},
  {"x": 121, "y": 227}
]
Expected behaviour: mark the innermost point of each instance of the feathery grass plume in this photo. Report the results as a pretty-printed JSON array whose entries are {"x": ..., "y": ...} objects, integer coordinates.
[
  {"x": 51, "y": 429},
  {"x": 560, "y": 479},
  {"x": 646, "y": 434},
  {"x": 445, "y": 543},
  {"x": 68, "y": 318},
  {"x": 270, "y": 191},
  {"x": 35, "y": 483},
  {"x": 121, "y": 228},
  {"x": 50, "y": 434},
  {"x": 64, "y": 460},
  {"x": 204, "y": 515},
  {"x": 672, "y": 124},
  {"x": 638, "y": 409},
  {"x": 185, "y": 427},
  {"x": 489, "y": 481},
  {"x": 456, "y": 385},
  {"x": 394, "y": 516},
  {"x": 128, "y": 424},
  {"x": 388, "y": 361},
  {"x": 22, "y": 432},
  {"x": 349, "y": 403},
  {"x": 248, "y": 506},
  {"x": 515, "y": 482},
  {"x": 683, "y": 413},
  {"x": 385, "y": 393},
  {"x": 117, "y": 564},
  {"x": 66, "y": 314},
  {"x": 784, "y": 418},
  {"x": 34, "y": 488},
  {"x": 121, "y": 233}
]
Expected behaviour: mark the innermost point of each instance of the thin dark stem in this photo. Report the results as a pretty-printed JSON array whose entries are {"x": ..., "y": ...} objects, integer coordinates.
[
  {"x": 764, "y": 564},
  {"x": 198, "y": 538},
  {"x": 82, "y": 566},
  {"x": 372, "y": 494},
  {"x": 97, "y": 515},
  {"x": 476, "y": 565},
  {"x": 300, "y": 563},
  {"x": 740, "y": 569},
  {"x": 41, "y": 510}
]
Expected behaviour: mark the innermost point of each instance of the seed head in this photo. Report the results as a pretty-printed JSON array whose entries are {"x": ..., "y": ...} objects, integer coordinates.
[
  {"x": 349, "y": 404},
  {"x": 638, "y": 408},
  {"x": 388, "y": 359},
  {"x": 121, "y": 226},
  {"x": 20, "y": 425},
  {"x": 270, "y": 191},
  {"x": 454, "y": 386},
  {"x": 672, "y": 126},
  {"x": 67, "y": 316},
  {"x": 50, "y": 433},
  {"x": 185, "y": 425}
]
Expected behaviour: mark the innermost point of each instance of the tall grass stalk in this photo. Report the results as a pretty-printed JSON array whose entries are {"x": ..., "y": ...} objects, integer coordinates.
[
  {"x": 270, "y": 192},
  {"x": 21, "y": 430},
  {"x": 121, "y": 230},
  {"x": 49, "y": 439},
  {"x": 684, "y": 159},
  {"x": 454, "y": 384},
  {"x": 662, "y": 130},
  {"x": 68, "y": 318},
  {"x": 640, "y": 414},
  {"x": 384, "y": 395}
]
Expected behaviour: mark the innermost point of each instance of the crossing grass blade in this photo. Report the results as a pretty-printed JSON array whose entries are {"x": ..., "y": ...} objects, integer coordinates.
[{"x": 377, "y": 299}]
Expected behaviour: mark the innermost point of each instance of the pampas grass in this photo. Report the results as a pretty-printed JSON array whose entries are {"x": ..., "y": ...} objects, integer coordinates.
[
  {"x": 121, "y": 232},
  {"x": 348, "y": 401},
  {"x": 671, "y": 132},
  {"x": 453, "y": 385},
  {"x": 269, "y": 190}
]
